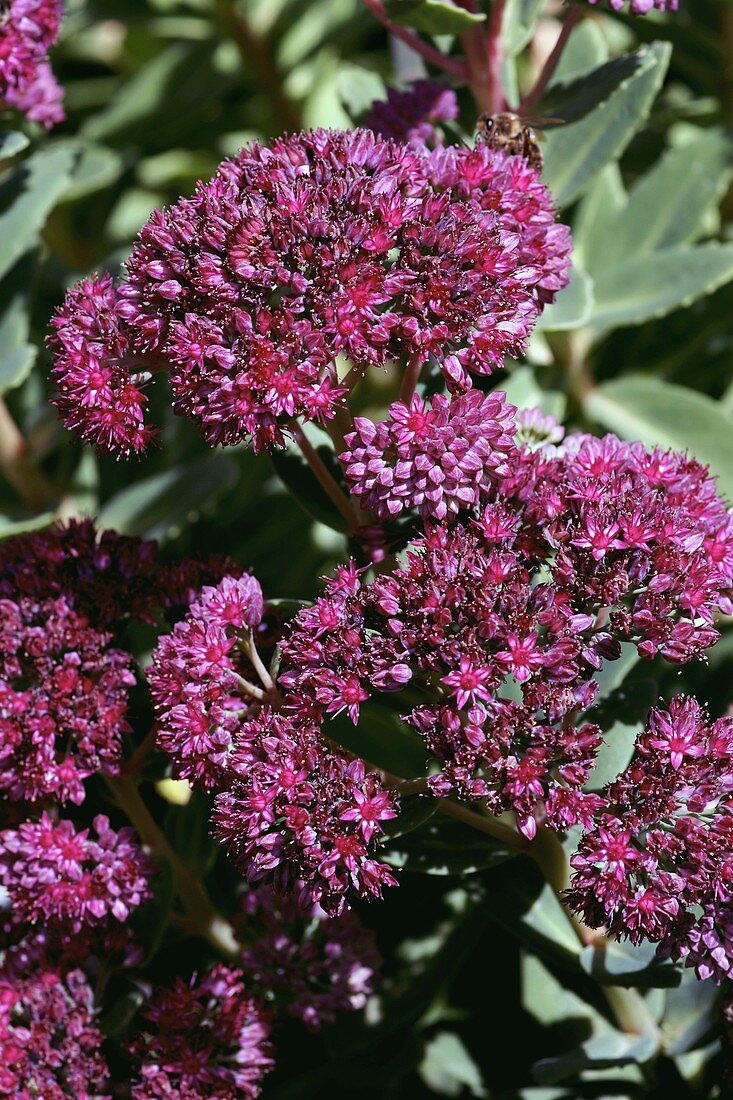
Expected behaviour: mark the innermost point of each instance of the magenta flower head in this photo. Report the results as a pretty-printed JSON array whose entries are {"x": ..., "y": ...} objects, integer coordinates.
[
  {"x": 658, "y": 862},
  {"x": 201, "y": 679},
  {"x": 641, "y": 7},
  {"x": 28, "y": 29},
  {"x": 413, "y": 114},
  {"x": 321, "y": 246},
  {"x": 50, "y": 1043},
  {"x": 437, "y": 457},
  {"x": 302, "y": 816},
  {"x": 63, "y": 699},
  {"x": 105, "y": 577},
  {"x": 205, "y": 1040},
  {"x": 314, "y": 966},
  {"x": 68, "y": 878},
  {"x": 501, "y": 618}
]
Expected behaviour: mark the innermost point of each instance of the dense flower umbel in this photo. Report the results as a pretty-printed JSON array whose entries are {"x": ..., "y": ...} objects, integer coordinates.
[
  {"x": 641, "y": 7},
  {"x": 413, "y": 114},
  {"x": 436, "y": 457},
  {"x": 500, "y": 620},
  {"x": 204, "y": 1039},
  {"x": 63, "y": 699},
  {"x": 201, "y": 679},
  {"x": 314, "y": 966},
  {"x": 658, "y": 862},
  {"x": 302, "y": 816},
  {"x": 105, "y": 577},
  {"x": 68, "y": 878},
  {"x": 322, "y": 245},
  {"x": 28, "y": 28},
  {"x": 50, "y": 1046}
]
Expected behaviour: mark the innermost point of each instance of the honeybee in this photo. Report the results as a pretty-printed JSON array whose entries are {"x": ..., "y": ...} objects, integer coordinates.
[{"x": 511, "y": 133}]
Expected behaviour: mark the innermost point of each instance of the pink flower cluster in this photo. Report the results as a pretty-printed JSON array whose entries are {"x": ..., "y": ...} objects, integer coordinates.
[
  {"x": 68, "y": 878},
  {"x": 322, "y": 245},
  {"x": 315, "y": 967},
  {"x": 205, "y": 1039},
  {"x": 435, "y": 457},
  {"x": 658, "y": 862},
  {"x": 63, "y": 698},
  {"x": 641, "y": 7},
  {"x": 302, "y": 816},
  {"x": 201, "y": 679},
  {"x": 28, "y": 29},
  {"x": 49, "y": 1040},
  {"x": 413, "y": 114},
  {"x": 499, "y": 620}
]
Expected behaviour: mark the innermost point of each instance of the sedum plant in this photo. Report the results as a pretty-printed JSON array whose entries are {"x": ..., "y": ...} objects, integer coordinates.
[{"x": 402, "y": 675}]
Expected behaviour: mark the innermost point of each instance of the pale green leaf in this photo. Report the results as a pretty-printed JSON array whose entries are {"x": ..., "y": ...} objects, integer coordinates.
[
  {"x": 627, "y": 964},
  {"x": 27, "y": 197},
  {"x": 668, "y": 206},
  {"x": 12, "y": 142},
  {"x": 96, "y": 167},
  {"x": 518, "y": 24},
  {"x": 597, "y": 216},
  {"x": 159, "y": 506},
  {"x": 586, "y": 49},
  {"x": 15, "y": 366},
  {"x": 448, "y": 1069},
  {"x": 576, "y": 152},
  {"x": 432, "y": 16},
  {"x": 665, "y": 415},
  {"x": 573, "y": 306},
  {"x": 653, "y": 285}
]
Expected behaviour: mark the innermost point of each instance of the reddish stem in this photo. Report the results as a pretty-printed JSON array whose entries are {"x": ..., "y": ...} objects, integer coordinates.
[
  {"x": 19, "y": 468},
  {"x": 411, "y": 378},
  {"x": 534, "y": 96},
  {"x": 484, "y": 57},
  {"x": 319, "y": 468},
  {"x": 449, "y": 64}
]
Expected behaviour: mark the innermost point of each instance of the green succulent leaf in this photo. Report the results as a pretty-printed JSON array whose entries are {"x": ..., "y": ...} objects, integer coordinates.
[
  {"x": 432, "y": 16},
  {"x": 27, "y": 196},
  {"x": 608, "y": 1051},
  {"x": 414, "y": 811},
  {"x": 382, "y": 739},
  {"x": 518, "y": 24},
  {"x": 665, "y": 415},
  {"x": 527, "y": 907},
  {"x": 159, "y": 506},
  {"x": 297, "y": 476},
  {"x": 573, "y": 306},
  {"x": 626, "y": 964},
  {"x": 444, "y": 847},
  {"x": 653, "y": 285},
  {"x": 448, "y": 1068},
  {"x": 692, "y": 177},
  {"x": 12, "y": 142},
  {"x": 577, "y": 151}
]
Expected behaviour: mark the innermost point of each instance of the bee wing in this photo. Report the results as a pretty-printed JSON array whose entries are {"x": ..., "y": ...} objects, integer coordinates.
[{"x": 539, "y": 124}]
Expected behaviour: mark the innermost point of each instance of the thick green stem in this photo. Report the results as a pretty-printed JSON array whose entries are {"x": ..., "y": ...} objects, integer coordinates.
[
  {"x": 628, "y": 1007},
  {"x": 199, "y": 908}
]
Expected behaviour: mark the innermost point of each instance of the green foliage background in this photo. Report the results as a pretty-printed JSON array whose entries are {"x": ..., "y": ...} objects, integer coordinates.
[{"x": 488, "y": 992}]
